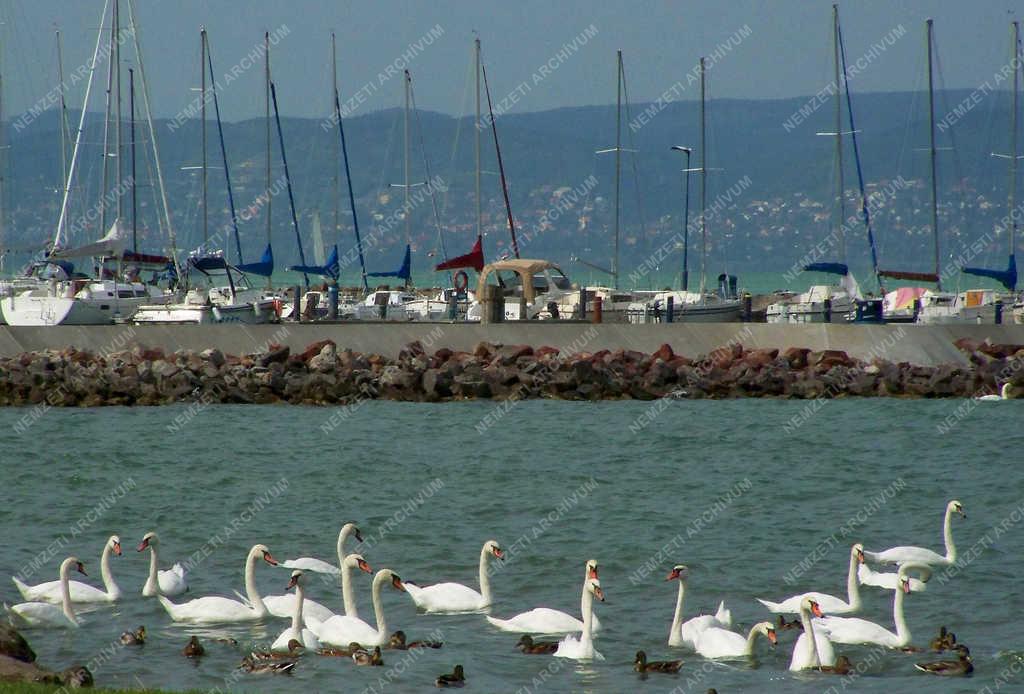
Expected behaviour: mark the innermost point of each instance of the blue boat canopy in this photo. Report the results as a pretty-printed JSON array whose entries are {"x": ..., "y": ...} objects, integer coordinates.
[{"x": 265, "y": 266}]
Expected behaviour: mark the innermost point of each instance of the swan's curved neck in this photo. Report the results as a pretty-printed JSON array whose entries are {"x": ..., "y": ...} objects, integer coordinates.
[
  {"x": 348, "y": 595},
  {"x": 485, "y": 578},
  {"x": 947, "y": 536},
  {"x": 588, "y": 613},
  {"x": 251, "y": 591},
  {"x": 674, "y": 636},
  {"x": 297, "y": 623},
  {"x": 152, "y": 586},
  {"x": 902, "y": 630},
  {"x": 65, "y": 591},
  {"x": 751, "y": 639},
  {"x": 805, "y": 619},
  {"x": 378, "y": 605},
  {"x": 108, "y": 578},
  {"x": 342, "y": 537},
  {"x": 852, "y": 584}
]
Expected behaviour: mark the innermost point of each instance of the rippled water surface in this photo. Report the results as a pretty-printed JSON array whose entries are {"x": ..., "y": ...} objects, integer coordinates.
[{"x": 555, "y": 483}]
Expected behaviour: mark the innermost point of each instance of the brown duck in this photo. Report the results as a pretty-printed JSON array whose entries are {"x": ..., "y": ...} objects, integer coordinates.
[
  {"x": 527, "y": 645},
  {"x": 398, "y": 642},
  {"x": 193, "y": 649},
  {"x": 267, "y": 667},
  {"x": 784, "y": 625},
  {"x": 842, "y": 666},
  {"x": 641, "y": 664},
  {"x": 134, "y": 638},
  {"x": 950, "y": 668},
  {"x": 365, "y": 657},
  {"x": 294, "y": 651},
  {"x": 945, "y": 641},
  {"x": 341, "y": 652},
  {"x": 456, "y": 679}
]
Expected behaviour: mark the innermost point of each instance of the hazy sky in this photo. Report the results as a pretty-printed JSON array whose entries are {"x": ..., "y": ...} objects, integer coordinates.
[{"x": 785, "y": 52}]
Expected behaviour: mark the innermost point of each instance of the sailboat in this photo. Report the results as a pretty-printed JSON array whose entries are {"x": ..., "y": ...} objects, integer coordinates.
[
  {"x": 972, "y": 307},
  {"x": 71, "y": 298},
  {"x": 893, "y": 311},
  {"x": 236, "y": 302},
  {"x": 703, "y": 306},
  {"x": 827, "y": 303}
]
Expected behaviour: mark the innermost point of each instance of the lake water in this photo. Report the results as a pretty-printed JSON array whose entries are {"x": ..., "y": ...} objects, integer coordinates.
[{"x": 753, "y": 507}]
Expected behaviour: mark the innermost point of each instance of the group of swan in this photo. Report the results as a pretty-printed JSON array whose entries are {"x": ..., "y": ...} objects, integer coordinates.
[
  {"x": 312, "y": 624},
  {"x": 40, "y": 608},
  {"x": 814, "y": 647}
]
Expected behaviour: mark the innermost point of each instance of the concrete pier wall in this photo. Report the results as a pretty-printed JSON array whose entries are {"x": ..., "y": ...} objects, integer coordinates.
[{"x": 923, "y": 345}]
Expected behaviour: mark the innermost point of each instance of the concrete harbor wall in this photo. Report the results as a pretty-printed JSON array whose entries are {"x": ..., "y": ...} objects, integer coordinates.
[{"x": 922, "y": 345}]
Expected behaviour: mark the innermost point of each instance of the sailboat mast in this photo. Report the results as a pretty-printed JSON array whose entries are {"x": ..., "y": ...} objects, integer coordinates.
[
  {"x": 134, "y": 31},
  {"x": 62, "y": 220},
  {"x": 266, "y": 79},
  {"x": 476, "y": 130},
  {"x": 348, "y": 172},
  {"x": 202, "y": 116},
  {"x": 618, "y": 164},
  {"x": 931, "y": 156},
  {"x": 840, "y": 182},
  {"x": 1011, "y": 198},
  {"x": 118, "y": 159},
  {"x": 135, "y": 206},
  {"x": 63, "y": 112},
  {"x": 3, "y": 168},
  {"x": 106, "y": 126},
  {"x": 334, "y": 180},
  {"x": 703, "y": 187},
  {"x": 408, "y": 216}
]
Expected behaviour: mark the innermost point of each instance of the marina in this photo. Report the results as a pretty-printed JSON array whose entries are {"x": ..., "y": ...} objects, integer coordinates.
[{"x": 344, "y": 352}]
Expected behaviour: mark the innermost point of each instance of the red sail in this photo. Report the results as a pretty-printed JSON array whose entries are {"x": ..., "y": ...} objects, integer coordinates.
[{"x": 473, "y": 259}]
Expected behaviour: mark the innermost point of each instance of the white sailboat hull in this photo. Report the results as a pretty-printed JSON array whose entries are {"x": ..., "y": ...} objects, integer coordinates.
[{"x": 44, "y": 308}]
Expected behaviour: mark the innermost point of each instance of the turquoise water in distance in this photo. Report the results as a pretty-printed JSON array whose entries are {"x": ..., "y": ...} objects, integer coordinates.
[{"x": 427, "y": 490}]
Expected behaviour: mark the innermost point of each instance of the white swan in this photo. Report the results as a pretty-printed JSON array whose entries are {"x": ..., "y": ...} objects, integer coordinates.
[
  {"x": 853, "y": 630},
  {"x": 455, "y": 597},
  {"x": 889, "y": 580},
  {"x": 686, "y": 633},
  {"x": 582, "y": 648},
  {"x": 341, "y": 630},
  {"x": 215, "y": 609},
  {"x": 1004, "y": 394},
  {"x": 716, "y": 642},
  {"x": 813, "y": 649},
  {"x": 80, "y": 592},
  {"x": 827, "y": 603},
  {"x": 284, "y": 605},
  {"x": 171, "y": 582},
  {"x": 320, "y": 566},
  {"x": 298, "y": 630},
  {"x": 920, "y": 555},
  {"x": 45, "y": 614},
  {"x": 544, "y": 620}
]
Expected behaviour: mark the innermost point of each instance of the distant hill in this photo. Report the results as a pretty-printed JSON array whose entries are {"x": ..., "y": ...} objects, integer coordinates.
[{"x": 769, "y": 226}]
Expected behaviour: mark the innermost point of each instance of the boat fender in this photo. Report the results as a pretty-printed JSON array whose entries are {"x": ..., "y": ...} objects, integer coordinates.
[{"x": 460, "y": 281}]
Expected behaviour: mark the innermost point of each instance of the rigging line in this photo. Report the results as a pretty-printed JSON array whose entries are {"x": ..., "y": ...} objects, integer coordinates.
[
  {"x": 224, "y": 152},
  {"x": 453, "y": 168},
  {"x": 633, "y": 159},
  {"x": 865, "y": 212},
  {"x": 957, "y": 164},
  {"x": 426, "y": 171},
  {"x": 501, "y": 166}
]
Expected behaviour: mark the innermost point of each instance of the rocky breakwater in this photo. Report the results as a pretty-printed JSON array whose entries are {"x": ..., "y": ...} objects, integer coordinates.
[
  {"x": 324, "y": 374},
  {"x": 18, "y": 664}
]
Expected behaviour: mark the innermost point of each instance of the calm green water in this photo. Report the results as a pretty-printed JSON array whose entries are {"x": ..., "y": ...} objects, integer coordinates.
[{"x": 785, "y": 493}]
